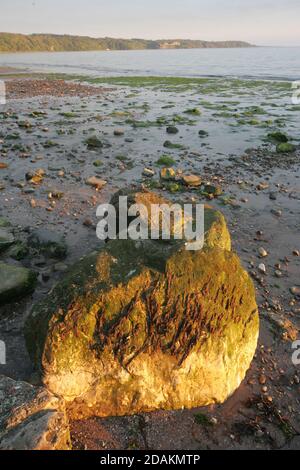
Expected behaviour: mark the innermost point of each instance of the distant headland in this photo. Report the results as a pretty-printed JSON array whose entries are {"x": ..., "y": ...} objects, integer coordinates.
[{"x": 10, "y": 42}]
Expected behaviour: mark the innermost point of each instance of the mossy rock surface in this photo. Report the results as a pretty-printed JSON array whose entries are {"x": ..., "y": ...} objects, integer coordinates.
[
  {"x": 6, "y": 239},
  {"x": 140, "y": 326},
  {"x": 49, "y": 243},
  {"x": 15, "y": 282}
]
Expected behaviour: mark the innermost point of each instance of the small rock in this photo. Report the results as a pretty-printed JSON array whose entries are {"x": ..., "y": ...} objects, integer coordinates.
[
  {"x": 60, "y": 267},
  {"x": 262, "y": 252},
  {"x": 191, "y": 180},
  {"x": 262, "y": 186},
  {"x": 296, "y": 253},
  {"x": 172, "y": 130},
  {"x": 93, "y": 142},
  {"x": 262, "y": 379},
  {"x": 295, "y": 290},
  {"x": 273, "y": 196},
  {"x": 15, "y": 282},
  {"x": 213, "y": 190},
  {"x": 148, "y": 172},
  {"x": 118, "y": 132},
  {"x": 203, "y": 133},
  {"x": 262, "y": 268},
  {"x": 276, "y": 212},
  {"x": 96, "y": 182},
  {"x": 167, "y": 174}
]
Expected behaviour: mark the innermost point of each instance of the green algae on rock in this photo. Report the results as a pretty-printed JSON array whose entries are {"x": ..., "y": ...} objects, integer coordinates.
[
  {"x": 147, "y": 325},
  {"x": 49, "y": 243},
  {"x": 15, "y": 282},
  {"x": 285, "y": 147},
  {"x": 6, "y": 239}
]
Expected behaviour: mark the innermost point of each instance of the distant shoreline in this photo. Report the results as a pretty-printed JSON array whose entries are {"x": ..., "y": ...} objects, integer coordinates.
[{"x": 13, "y": 42}]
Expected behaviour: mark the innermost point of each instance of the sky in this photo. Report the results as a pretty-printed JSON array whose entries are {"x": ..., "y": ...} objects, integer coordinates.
[{"x": 262, "y": 22}]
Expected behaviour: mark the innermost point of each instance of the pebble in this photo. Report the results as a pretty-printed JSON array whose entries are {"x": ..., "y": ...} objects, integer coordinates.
[
  {"x": 60, "y": 267},
  {"x": 88, "y": 222},
  {"x": 148, "y": 172},
  {"x": 262, "y": 252},
  {"x": 262, "y": 186},
  {"x": 118, "y": 132},
  {"x": 295, "y": 290},
  {"x": 262, "y": 268},
  {"x": 172, "y": 130},
  {"x": 192, "y": 180},
  {"x": 273, "y": 196},
  {"x": 262, "y": 379},
  {"x": 167, "y": 174},
  {"x": 296, "y": 253},
  {"x": 276, "y": 212},
  {"x": 96, "y": 182}
]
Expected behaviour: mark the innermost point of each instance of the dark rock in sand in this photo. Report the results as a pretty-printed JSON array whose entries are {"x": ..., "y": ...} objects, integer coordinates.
[
  {"x": 15, "y": 282},
  {"x": 6, "y": 239},
  {"x": 172, "y": 130},
  {"x": 49, "y": 243},
  {"x": 18, "y": 251}
]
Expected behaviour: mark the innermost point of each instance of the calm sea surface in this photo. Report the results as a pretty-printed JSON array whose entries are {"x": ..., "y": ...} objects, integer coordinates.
[{"x": 260, "y": 62}]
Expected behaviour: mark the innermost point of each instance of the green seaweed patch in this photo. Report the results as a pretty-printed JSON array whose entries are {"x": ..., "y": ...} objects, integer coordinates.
[
  {"x": 285, "y": 147},
  {"x": 49, "y": 144},
  {"x": 170, "y": 145},
  {"x": 69, "y": 115},
  {"x": 173, "y": 187},
  {"x": 277, "y": 137},
  {"x": 166, "y": 160},
  {"x": 193, "y": 111},
  {"x": 202, "y": 420},
  {"x": 93, "y": 142}
]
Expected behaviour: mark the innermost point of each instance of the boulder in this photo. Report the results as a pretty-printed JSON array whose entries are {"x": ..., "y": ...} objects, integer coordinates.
[
  {"x": 6, "y": 239},
  {"x": 146, "y": 325},
  {"x": 15, "y": 282},
  {"x": 31, "y": 418}
]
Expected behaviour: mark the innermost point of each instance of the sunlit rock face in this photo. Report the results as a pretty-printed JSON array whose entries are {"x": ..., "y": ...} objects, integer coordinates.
[{"x": 140, "y": 326}]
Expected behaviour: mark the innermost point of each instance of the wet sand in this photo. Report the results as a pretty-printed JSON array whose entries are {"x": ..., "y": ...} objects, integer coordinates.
[{"x": 45, "y": 125}]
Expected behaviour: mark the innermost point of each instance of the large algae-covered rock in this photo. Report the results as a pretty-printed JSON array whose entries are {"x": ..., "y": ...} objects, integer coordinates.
[{"x": 148, "y": 325}]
